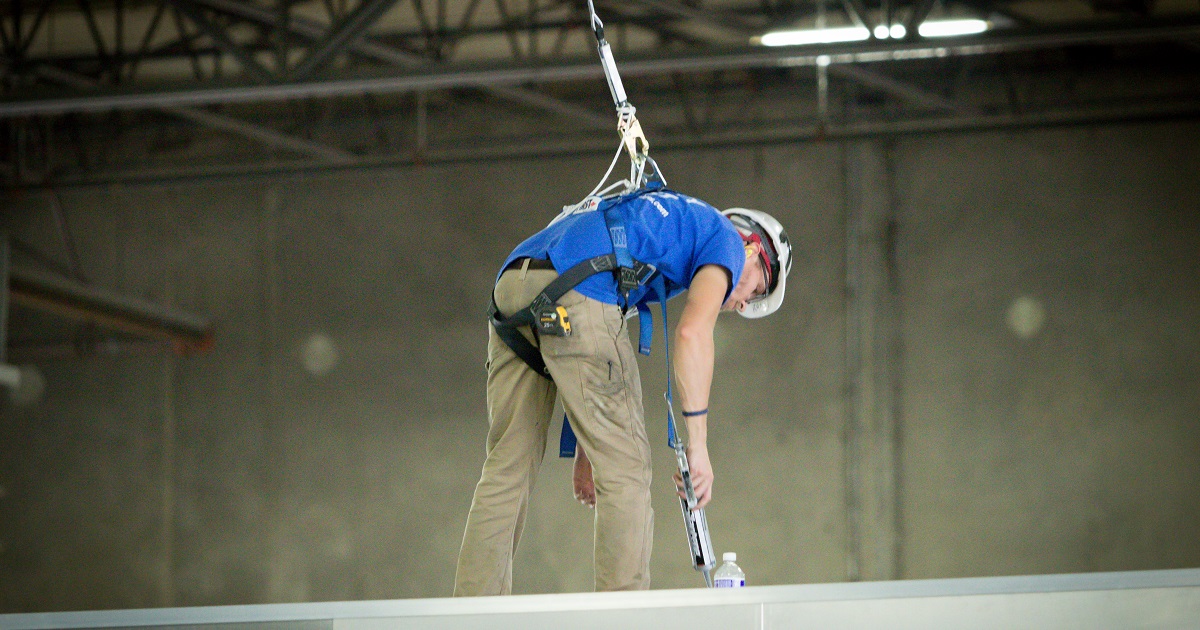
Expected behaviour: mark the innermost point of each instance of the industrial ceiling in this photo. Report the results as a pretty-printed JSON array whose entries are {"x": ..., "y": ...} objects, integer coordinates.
[{"x": 117, "y": 90}]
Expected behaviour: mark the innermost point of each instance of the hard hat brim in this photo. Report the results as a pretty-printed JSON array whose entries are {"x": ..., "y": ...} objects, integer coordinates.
[{"x": 766, "y": 305}]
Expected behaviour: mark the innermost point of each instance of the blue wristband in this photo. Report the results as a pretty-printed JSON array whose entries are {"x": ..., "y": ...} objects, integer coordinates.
[{"x": 693, "y": 414}]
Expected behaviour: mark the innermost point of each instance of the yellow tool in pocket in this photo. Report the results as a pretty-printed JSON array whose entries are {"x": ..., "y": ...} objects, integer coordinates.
[{"x": 554, "y": 321}]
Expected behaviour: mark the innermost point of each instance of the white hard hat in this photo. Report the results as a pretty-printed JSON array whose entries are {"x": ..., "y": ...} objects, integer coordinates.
[{"x": 761, "y": 227}]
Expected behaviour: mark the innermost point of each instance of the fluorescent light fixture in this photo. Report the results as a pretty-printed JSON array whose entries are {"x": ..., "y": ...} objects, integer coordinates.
[
  {"x": 895, "y": 31},
  {"x": 951, "y": 28},
  {"x": 802, "y": 37},
  {"x": 930, "y": 28}
]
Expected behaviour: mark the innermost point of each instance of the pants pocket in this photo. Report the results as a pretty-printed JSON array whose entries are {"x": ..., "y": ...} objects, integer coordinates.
[{"x": 591, "y": 349}]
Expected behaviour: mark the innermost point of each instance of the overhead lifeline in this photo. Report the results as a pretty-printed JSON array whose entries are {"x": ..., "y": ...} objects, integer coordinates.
[
  {"x": 630, "y": 274},
  {"x": 635, "y": 144},
  {"x": 633, "y": 139}
]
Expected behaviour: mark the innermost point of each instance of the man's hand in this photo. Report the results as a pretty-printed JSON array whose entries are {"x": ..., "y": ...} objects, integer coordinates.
[
  {"x": 585, "y": 488},
  {"x": 702, "y": 475}
]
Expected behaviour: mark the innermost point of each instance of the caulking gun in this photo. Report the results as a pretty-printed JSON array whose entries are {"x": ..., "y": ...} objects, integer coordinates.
[{"x": 694, "y": 518}]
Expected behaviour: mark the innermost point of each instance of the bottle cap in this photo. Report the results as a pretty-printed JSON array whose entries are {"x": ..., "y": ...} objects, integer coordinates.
[{"x": 729, "y": 556}]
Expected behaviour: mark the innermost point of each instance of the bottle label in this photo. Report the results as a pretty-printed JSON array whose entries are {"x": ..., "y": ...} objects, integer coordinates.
[{"x": 729, "y": 582}]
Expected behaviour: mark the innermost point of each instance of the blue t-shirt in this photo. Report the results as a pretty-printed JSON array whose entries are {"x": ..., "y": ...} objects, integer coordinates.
[{"x": 676, "y": 233}]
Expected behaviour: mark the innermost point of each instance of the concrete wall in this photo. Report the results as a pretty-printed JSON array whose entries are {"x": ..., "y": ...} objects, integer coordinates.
[{"x": 1031, "y": 338}]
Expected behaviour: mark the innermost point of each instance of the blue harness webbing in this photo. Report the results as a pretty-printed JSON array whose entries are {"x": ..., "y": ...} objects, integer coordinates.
[
  {"x": 626, "y": 282},
  {"x": 658, "y": 287},
  {"x": 672, "y": 438}
]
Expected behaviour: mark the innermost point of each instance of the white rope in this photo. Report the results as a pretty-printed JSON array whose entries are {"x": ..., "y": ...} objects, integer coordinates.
[
  {"x": 633, "y": 139},
  {"x": 607, "y": 173}
]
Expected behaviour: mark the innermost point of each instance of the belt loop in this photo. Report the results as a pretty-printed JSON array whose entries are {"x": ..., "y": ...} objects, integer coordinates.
[{"x": 524, "y": 268}]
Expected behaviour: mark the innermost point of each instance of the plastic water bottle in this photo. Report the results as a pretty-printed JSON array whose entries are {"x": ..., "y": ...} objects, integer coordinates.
[{"x": 729, "y": 574}]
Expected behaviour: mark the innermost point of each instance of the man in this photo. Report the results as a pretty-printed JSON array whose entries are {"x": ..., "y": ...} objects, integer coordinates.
[{"x": 732, "y": 261}]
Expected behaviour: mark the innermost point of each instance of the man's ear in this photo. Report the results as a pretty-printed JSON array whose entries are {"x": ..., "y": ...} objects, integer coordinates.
[{"x": 752, "y": 249}]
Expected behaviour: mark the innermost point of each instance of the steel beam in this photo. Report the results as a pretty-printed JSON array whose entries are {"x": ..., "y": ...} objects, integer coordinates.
[
  {"x": 22, "y": 47},
  {"x": 58, "y": 350},
  {"x": 186, "y": 332},
  {"x": 266, "y": 136},
  {"x": 630, "y": 14},
  {"x": 678, "y": 9},
  {"x": 857, "y": 10},
  {"x": 350, "y": 28},
  {"x": 310, "y": 29},
  {"x": 444, "y": 78},
  {"x": 254, "y": 132},
  {"x": 93, "y": 28},
  {"x": 315, "y": 30},
  {"x": 915, "y": 95},
  {"x": 550, "y": 104},
  {"x": 147, "y": 37},
  {"x": 222, "y": 40},
  {"x": 740, "y": 136},
  {"x": 920, "y": 11}
]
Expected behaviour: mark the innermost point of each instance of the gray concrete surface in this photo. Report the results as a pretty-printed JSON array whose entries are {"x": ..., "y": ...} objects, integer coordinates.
[
  {"x": 1167, "y": 599},
  {"x": 1042, "y": 373}
]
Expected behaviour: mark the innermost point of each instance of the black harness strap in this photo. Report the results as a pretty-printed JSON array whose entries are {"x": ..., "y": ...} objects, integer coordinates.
[
  {"x": 513, "y": 338},
  {"x": 507, "y": 327}
]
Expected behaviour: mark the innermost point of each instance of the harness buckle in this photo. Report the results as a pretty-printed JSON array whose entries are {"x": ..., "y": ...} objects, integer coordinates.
[
  {"x": 539, "y": 304},
  {"x": 627, "y": 279},
  {"x": 645, "y": 271}
]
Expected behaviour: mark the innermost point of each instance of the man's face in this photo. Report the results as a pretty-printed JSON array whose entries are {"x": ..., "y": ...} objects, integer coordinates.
[{"x": 753, "y": 283}]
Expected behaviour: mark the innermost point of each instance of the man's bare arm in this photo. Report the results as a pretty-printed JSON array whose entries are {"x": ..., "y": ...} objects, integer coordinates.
[{"x": 694, "y": 356}]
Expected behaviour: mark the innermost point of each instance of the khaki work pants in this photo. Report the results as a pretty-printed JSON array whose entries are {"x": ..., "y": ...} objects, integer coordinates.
[{"x": 595, "y": 372}]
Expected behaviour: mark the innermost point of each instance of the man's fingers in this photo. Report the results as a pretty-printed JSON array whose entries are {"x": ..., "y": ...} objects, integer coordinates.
[
  {"x": 701, "y": 488},
  {"x": 703, "y": 491}
]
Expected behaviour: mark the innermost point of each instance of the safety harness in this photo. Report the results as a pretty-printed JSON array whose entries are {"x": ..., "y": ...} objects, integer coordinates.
[
  {"x": 545, "y": 316},
  {"x": 630, "y": 274}
]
